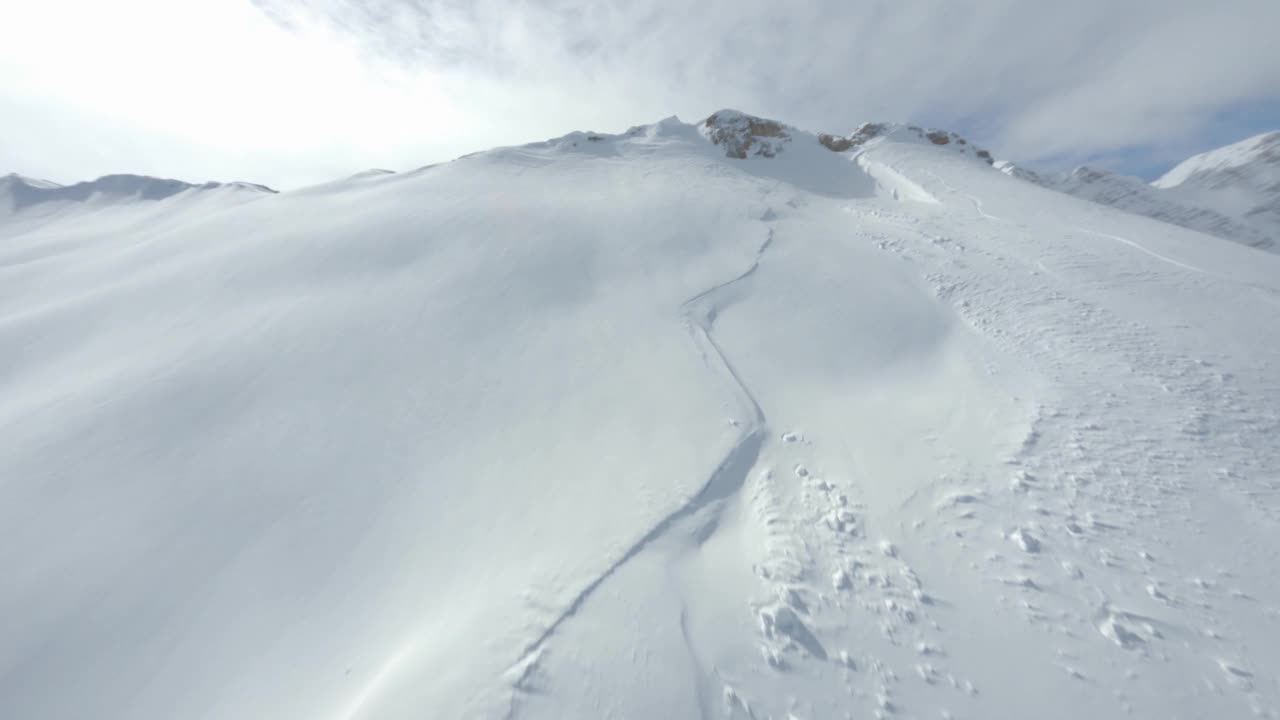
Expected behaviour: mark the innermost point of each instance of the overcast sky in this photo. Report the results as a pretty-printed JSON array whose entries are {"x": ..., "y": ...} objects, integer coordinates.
[{"x": 289, "y": 92}]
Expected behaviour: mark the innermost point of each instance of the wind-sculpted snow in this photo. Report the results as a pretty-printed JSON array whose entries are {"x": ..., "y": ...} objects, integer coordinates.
[{"x": 626, "y": 425}]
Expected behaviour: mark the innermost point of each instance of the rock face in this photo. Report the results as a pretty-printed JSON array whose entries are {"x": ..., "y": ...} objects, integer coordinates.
[
  {"x": 742, "y": 135},
  {"x": 858, "y": 138},
  {"x": 867, "y": 132}
]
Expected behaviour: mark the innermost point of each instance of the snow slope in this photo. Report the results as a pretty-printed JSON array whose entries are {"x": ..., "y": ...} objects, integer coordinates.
[
  {"x": 1232, "y": 192},
  {"x": 625, "y": 426},
  {"x": 1133, "y": 195}
]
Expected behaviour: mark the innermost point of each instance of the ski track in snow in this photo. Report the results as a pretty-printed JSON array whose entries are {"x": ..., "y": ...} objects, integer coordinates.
[
  {"x": 1069, "y": 525},
  {"x": 699, "y": 314}
]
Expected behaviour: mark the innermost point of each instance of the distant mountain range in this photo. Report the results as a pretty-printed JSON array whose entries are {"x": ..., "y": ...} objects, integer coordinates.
[
  {"x": 1232, "y": 192},
  {"x": 18, "y": 193}
]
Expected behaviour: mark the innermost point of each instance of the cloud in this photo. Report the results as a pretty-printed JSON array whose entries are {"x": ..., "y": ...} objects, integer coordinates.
[
  {"x": 292, "y": 91},
  {"x": 202, "y": 90},
  {"x": 1166, "y": 83}
]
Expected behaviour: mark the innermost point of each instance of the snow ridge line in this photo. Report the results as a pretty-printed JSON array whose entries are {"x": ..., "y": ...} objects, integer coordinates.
[
  {"x": 1269, "y": 294},
  {"x": 728, "y": 477},
  {"x": 1143, "y": 249}
]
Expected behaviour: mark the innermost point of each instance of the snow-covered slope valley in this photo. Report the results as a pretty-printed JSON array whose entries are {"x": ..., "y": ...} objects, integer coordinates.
[{"x": 725, "y": 420}]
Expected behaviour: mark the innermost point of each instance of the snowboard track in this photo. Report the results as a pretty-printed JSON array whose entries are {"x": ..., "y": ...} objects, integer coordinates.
[{"x": 699, "y": 313}]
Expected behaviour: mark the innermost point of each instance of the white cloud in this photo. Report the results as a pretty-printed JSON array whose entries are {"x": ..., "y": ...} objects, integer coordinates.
[
  {"x": 1162, "y": 85},
  {"x": 200, "y": 90},
  {"x": 286, "y": 91}
]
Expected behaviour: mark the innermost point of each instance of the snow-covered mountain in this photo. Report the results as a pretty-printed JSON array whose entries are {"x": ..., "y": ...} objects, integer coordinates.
[
  {"x": 718, "y": 420},
  {"x": 1232, "y": 192},
  {"x": 19, "y": 193},
  {"x": 1241, "y": 180}
]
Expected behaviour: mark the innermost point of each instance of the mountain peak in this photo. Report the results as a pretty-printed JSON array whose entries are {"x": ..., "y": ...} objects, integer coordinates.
[
  {"x": 1253, "y": 159},
  {"x": 14, "y": 179},
  {"x": 741, "y": 134},
  {"x": 1241, "y": 180}
]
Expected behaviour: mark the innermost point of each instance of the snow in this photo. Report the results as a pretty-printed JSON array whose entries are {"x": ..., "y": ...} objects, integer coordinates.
[
  {"x": 23, "y": 192},
  {"x": 1232, "y": 192},
  {"x": 1256, "y": 154},
  {"x": 624, "y": 426},
  {"x": 1241, "y": 180},
  {"x": 1136, "y": 196}
]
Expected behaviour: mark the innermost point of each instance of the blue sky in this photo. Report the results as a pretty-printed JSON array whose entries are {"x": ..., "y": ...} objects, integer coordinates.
[
  {"x": 290, "y": 92},
  {"x": 1149, "y": 161}
]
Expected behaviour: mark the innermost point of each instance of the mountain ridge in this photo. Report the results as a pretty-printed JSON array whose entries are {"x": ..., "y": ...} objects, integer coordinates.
[
  {"x": 732, "y": 130},
  {"x": 24, "y": 192}
]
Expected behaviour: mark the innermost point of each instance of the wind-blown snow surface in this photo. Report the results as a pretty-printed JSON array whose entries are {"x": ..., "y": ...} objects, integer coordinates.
[{"x": 618, "y": 426}]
